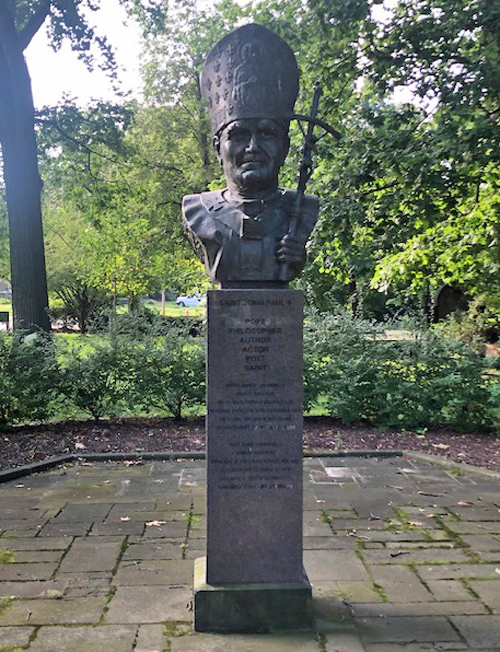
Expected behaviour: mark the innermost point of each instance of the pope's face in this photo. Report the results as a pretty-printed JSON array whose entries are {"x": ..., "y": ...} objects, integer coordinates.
[{"x": 251, "y": 151}]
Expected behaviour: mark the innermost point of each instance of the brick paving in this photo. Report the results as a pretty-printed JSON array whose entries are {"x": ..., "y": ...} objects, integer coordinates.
[{"x": 403, "y": 557}]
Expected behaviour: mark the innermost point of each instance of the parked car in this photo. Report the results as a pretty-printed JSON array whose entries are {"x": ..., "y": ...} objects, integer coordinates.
[
  {"x": 5, "y": 290},
  {"x": 190, "y": 300}
]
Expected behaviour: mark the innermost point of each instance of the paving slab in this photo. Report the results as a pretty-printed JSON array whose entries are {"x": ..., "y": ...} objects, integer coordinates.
[
  {"x": 472, "y": 527},
  {"x": 128, "y": 509},
  {"x": 54, "y": 612},
  {"x": 362, "y": 591},
  {"x": 15, "y": 636},
  {"x": 69, "y": 529},
  {"x": 458, "y": 571},
  {"x": 22, "y": 524},
  {"x": 38, "y": 543},
  {"x": 479, "y": 631},
  {"x": 342, "y": 642},
  {"x": 27, "y": 572},
  {"x": 482, "y": 542},
  {"x": 393, "y": 536},
  {"x": 117, "y": 528},
  {"x": 32, "y": 556},
  {"x": 154, "y": 550},
  {"x": 330, "y": 543},
  {"x": 448, "y": 590},
  {"x": 150, "y": 604},
  {"x": 489, "y": 556},
  {"x": 472, "y": 607},
  {"x": 245, "y": 643},
  {"x": 150, "y": 638},
  {"x": 435, "y": 555},
  {"x": 386, "y": 574},
  {"x": 88, "y": 586},
  {"x": 476, "y": 513},
  {"x": 488, "y": 592},
  {"x": 421, "y": 647},
  {"x": 38, "y": 589},
  {"x": 333, "y": 565},
  {"x": 122, "y": 512},
  {"x": 156, "y": 528},
  {"x": 406, "y": 630},
  {"x": 413, "y": 591},
  {"x": 87, "y": 556},
  {"x": 155, "y": 571},
  {"x": 88, "y": 513},
  {"x": 109, "y": 638},
  {"x": 377, "y": 555}
]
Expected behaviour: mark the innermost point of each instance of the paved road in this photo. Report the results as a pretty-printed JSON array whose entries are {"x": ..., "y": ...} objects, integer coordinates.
[{"x": 403, "y": 556}]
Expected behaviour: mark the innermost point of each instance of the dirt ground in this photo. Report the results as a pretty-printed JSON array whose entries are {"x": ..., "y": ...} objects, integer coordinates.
[{"x": 23, "y": 445}]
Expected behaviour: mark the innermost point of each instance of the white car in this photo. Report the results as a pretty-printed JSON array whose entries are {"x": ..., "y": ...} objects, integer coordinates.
[{"x": 190, "y": 300}]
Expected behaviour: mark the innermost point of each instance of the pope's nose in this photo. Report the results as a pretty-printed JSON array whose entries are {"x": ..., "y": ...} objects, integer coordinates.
[{"x": 252, "y": 144}]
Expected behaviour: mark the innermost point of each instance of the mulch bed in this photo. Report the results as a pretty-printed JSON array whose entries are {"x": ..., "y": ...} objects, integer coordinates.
[{"x": 24, "y": 445}]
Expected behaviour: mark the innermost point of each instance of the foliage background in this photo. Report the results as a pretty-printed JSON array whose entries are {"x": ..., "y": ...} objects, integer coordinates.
[
  {"x": 146, "y": 365},
  {"x": 410, "y": 196}
]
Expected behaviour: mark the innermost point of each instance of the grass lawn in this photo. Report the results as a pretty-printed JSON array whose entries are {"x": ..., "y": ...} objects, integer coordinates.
[
  {"x": 5, "y": 305},
  {"x": 173, "y": 310}
]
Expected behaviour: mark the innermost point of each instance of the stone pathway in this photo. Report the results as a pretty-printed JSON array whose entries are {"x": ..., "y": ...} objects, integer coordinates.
[{"x": 402, "y": 556}]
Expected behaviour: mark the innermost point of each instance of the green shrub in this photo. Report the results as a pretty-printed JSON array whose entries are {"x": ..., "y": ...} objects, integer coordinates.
[
  {"x": 29, "y": 379},
  {"x": 412, "y": 383},
  {"x": 340, "y": 365},
  {"x": 144, "y": 323},
  {"x": 476, "y": 327},
  {"x": 171, "y": 372},
  {"x": 351, "y": 368},
  {"x": 98, "y": 377}
]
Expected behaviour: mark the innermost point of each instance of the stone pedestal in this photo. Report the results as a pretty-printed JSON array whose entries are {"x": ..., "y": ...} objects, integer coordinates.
[
  {"x": 249, "y": 608},
  {"x": 254, "y": 464}
]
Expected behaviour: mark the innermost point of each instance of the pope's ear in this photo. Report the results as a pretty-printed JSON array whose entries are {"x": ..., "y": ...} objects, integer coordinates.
[{"x": 216, "y": 146}]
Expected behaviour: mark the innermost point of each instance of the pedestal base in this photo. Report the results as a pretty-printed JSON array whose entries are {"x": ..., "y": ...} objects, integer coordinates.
[{"x": 248, "y": 608}]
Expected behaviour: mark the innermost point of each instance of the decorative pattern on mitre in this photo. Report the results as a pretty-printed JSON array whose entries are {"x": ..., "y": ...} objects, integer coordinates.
[{"x": 250, "y": 73}]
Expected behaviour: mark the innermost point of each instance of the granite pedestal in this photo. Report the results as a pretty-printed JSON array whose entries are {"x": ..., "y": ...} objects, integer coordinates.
[{"x": 254, "y": 578}]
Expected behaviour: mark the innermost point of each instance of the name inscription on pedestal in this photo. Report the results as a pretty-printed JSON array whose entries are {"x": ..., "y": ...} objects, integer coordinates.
[{"x": 254, "y": 436}]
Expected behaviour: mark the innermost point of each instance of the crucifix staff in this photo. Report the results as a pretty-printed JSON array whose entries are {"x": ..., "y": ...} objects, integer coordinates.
[{"x": 306, "y": 164}]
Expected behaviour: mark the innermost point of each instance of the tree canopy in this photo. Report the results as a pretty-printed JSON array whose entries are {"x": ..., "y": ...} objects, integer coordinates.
[
  {"x": 410, "y": 196},
  {"x": 20, "y": 20}
]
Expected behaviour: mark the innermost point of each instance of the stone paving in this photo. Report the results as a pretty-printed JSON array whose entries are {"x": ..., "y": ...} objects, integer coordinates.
[{"x": 403, "y": 556}]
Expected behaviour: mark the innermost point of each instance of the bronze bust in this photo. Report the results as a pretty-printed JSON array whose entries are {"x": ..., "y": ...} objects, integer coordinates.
[{"x": 250, "y": 234}]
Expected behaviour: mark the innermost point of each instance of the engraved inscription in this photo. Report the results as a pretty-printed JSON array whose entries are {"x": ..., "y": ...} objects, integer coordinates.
[
  {"x": 256, "y": 412},
  {"x": 254, "y": 426}
]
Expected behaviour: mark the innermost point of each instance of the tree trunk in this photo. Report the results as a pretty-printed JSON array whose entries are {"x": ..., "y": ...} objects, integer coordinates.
[
  {"x": 23, "y": 185},
  {"x": 134, "y": 303}
]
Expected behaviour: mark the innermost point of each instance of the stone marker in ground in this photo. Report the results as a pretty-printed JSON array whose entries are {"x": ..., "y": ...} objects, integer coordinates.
[{"x": 251, "y": 237}]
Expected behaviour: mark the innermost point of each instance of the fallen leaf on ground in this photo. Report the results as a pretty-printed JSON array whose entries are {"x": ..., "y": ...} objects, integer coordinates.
[
  {"x": 53, "y": 594},
  {"x": 441, "y": 446},
  {"x": 155, "y": 523}
]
